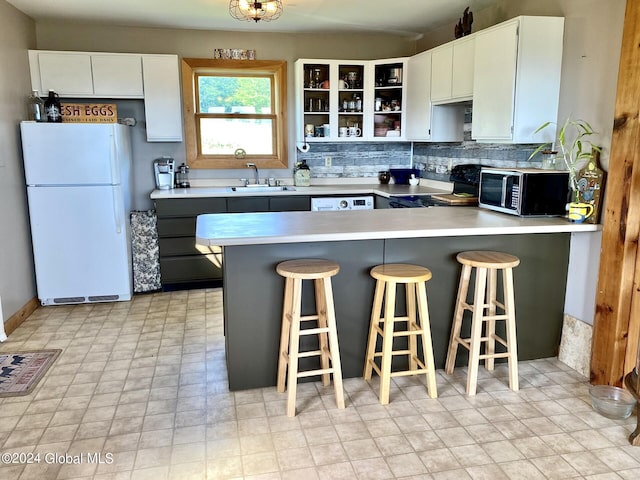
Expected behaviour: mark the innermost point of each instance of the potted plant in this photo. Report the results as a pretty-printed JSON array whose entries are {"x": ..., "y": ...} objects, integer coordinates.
[{"x": 575, "y": 150}]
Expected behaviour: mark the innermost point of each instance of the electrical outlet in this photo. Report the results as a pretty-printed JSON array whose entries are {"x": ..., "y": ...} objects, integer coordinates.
[{"x": 327, "y": 161}]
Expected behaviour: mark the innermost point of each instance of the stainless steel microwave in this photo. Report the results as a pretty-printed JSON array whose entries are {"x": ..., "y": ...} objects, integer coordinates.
[{"x": 524, "y": 191}]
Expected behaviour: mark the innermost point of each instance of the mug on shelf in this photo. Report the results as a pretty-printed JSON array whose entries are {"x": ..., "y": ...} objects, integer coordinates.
[
  {"x": 327, "y": 129},
  {"x": 354, "y": 132},
  {"x": 342, "y": 85},
  {"x": 309, "y": 130},
  {"x": 343, "y": 132},
  {"x": 579, "y": 212}
]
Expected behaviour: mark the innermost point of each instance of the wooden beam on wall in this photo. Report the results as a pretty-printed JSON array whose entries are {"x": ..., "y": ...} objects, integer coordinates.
[{"x": 617, "y": 317}]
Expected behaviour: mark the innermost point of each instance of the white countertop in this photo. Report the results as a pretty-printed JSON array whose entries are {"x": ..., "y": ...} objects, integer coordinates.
[
  {"x": 334, "y": 189},
  {"x": 295, "y": 227}
]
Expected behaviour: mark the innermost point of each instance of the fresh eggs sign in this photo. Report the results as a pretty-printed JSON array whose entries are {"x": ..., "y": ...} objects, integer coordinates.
[{"x": 89, "y": 112}]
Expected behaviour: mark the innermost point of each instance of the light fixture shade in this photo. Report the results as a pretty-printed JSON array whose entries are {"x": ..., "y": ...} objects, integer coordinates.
[{"x": 248, "y": 10}]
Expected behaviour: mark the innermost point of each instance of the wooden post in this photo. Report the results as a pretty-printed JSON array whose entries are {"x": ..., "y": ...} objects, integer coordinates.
[{"x": 617, "y": 316}]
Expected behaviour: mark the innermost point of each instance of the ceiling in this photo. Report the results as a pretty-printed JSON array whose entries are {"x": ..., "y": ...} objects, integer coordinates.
[{"x": 407, "y": 17}]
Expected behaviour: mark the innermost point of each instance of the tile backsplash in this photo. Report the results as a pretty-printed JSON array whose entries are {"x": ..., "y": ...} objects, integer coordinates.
[{"x": 434, "y": 160}]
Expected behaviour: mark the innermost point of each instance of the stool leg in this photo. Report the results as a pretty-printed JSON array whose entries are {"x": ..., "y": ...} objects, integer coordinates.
[
  {"x": 387, "y": 342},
  {"x": 412, "y": 320},
  {"x": 491, "y": 324},
  {"x": 294, "y": 346},
  {"x": 476, "y": 330},
  {"x": 333, "y": 342},
  {"x": 376, "y": 311},
  {"x": 463, "y": 289},
  {"x": 321, "y": 310},
  {"x": 427, "y": 346},
  {"x": 510, "y": 307},
  {"x": 284, "y": 334}
]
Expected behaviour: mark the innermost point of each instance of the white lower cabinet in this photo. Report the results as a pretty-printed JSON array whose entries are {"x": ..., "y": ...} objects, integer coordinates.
[{"x": 517, "y": 80}]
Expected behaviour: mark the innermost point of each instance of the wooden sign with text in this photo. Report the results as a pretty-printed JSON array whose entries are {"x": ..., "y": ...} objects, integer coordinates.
[{"x": 89, "y": 112}]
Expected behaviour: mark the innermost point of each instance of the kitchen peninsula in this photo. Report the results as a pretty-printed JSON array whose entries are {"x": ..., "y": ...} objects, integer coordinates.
[{"x": 253, "y": 243}]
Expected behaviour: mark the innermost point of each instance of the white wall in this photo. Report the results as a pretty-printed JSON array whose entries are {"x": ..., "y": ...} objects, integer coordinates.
[{"x": 17, "y": 285}]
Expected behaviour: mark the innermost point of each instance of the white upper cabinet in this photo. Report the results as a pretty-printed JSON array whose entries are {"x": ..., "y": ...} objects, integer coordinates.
[
  {"x": 162, "y": 107},
  {"x": 154, "y": 78},
  {"x": 517, "y": 80},
  {"x": 427, "y": 122},
  {"x": 86, "y": 74},
  {"x": 350, "y": 100},
  {"x": 68, "y": 74},
  {"x": 419, "y": 95},
  {"x": 117, "y": 75},
  {"x": 452, "y": 71}
]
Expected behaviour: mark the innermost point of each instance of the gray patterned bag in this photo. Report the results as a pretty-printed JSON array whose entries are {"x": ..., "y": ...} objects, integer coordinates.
[{"x": 145, "y": 251}]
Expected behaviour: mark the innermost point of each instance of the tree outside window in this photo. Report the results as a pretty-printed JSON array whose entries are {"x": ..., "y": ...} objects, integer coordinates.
[{"x": 231, "y": 105}]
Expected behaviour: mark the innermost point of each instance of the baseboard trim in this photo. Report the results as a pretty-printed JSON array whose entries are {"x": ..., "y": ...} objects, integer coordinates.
[{"x": 15, "y": 320}]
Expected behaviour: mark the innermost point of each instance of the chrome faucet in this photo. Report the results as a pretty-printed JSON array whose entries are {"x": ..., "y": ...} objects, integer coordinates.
[{"x": 253, "y": 165}]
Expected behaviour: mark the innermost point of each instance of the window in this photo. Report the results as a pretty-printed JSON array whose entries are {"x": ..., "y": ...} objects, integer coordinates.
[{"x": 231, "y": 106}]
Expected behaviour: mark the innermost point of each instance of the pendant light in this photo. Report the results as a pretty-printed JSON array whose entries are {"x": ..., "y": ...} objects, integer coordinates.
[{"x": 247, "y": 10}]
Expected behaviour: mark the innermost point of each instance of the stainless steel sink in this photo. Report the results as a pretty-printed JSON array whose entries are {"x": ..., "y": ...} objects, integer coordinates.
[{"x": 262, "y": 188}]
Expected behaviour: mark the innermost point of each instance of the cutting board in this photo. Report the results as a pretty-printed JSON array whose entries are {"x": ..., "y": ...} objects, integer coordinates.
[{"x": 451, "y": 199}]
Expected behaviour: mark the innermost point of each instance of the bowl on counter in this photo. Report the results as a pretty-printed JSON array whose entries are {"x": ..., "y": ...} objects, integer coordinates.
[
  {"x": 402, "y": 175},
  {"x": 611, "y": 402}
]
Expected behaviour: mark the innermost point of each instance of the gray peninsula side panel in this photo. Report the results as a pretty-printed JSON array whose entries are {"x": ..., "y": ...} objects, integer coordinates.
[{"x": 253, "y": 295}]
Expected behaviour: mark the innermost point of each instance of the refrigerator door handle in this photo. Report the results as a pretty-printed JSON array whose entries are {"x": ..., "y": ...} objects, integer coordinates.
[
  {"x": 117, "y": 198},
  {"x": 114, "y": 160}
]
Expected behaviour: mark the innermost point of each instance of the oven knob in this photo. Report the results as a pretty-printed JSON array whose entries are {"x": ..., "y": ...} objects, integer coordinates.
[{"x": 344, "y": 204}]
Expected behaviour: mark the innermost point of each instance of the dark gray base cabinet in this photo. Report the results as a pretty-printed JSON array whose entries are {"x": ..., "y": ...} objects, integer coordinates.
[{"x": 181, "y": 263}]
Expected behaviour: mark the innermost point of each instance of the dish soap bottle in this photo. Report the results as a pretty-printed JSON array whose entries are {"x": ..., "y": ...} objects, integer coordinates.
[{"x": 302, "y": 174}]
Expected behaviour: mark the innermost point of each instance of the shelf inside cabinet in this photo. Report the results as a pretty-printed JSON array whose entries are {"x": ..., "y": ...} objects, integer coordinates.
[{"x": 350, "y": 76}]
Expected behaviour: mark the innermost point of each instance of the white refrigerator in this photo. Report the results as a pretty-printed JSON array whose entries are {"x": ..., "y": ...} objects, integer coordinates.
[{"x": 79, "y": 191}]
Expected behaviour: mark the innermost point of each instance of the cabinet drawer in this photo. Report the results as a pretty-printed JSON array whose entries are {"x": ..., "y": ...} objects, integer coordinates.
[
  {"x": 181, "y": 246},
  {"x": 248, "y": 204},
  {"x": 177, "y": 246},
  {"x": 177, "y": 227},
  {"x": 189, "y": 206},
  {"x": 290, "y": 204},
  {"x": 189, "y": 269}
]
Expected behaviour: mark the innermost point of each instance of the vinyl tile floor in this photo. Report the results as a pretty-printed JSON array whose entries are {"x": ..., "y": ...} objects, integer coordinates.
[{"x": 140, "y": 392}]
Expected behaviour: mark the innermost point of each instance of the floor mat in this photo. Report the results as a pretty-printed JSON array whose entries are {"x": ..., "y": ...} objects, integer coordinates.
[{"x": 20, "y": 372}]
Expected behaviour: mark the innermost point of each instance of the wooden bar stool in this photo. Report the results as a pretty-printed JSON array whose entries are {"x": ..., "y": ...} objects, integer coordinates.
[
  {"x": 387, "y": 277},
  {"x": 487, "y": 265},
  {"x": 320, "y": 271}
]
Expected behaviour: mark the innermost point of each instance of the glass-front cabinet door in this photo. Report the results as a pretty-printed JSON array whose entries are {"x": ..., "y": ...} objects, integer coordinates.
[
  {"x": 389, "y": 99},
  {"x": 340, "y": 100},
  {"x": 351, "y": 100},
  {"x": 313, "y": 99}
]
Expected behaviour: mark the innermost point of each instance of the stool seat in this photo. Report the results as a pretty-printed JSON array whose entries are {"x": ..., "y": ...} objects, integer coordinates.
[
  {"x": 384, "y": 320},
  {"x": 294, "y": 272},
  {"x": 308, "y": 269},
  {"x": 482, "y": 259},
  {"x": 485, "y": 312},
  {"x": 401, "y": 273}
]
